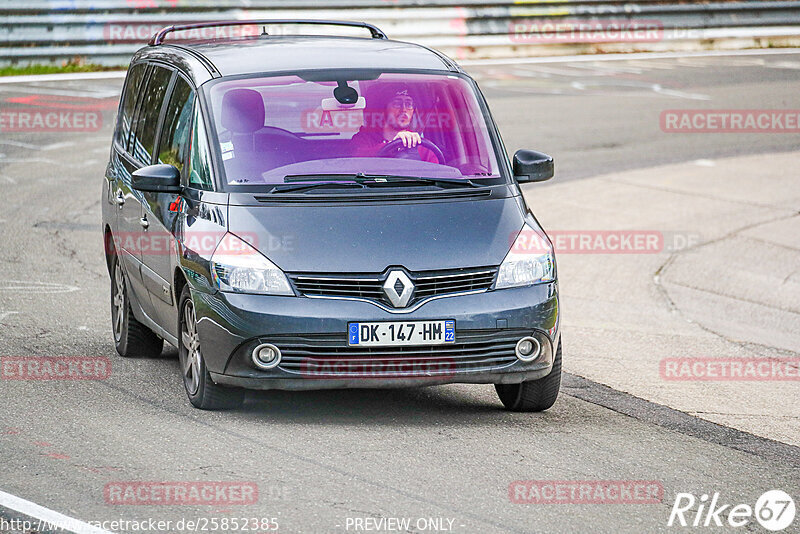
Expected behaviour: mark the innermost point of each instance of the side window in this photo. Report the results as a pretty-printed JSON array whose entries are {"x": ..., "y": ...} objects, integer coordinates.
[
  {"x": 175, "y": 132},
  {"x": 133, "y": 84},
  {"x": 200, "y": 158},
  {"x": 146, "y": 122}
]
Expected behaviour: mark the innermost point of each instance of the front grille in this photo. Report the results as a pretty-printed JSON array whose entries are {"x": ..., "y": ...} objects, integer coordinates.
[
  {"x": 328, "y": 355},
  {"x": 370, "y": 286},
  {"x": 442, "y": 284}
]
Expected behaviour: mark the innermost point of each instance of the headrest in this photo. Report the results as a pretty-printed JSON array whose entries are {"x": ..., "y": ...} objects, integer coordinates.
[{"x": 243, "y": 111}]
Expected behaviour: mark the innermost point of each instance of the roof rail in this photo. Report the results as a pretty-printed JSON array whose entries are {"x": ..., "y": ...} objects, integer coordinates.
[{"x": 158, "y": 38}]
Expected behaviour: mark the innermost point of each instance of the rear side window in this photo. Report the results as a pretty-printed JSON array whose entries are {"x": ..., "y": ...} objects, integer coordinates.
[
  {"x": 132, "y": 87},
  {"x": 146, "y": 122},
  {"x": 175, "y": 133}
]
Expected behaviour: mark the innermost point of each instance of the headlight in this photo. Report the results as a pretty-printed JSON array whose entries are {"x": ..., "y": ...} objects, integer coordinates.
[
  {"x": 530, "y": 261},
  {"x": 237, "y": 266}
]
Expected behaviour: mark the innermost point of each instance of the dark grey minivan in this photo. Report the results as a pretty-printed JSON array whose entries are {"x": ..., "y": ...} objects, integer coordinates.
[{"x": 309, "y": 211}]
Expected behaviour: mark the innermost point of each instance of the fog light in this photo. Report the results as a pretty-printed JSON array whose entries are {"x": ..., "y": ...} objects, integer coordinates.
[
  {"x": 528, "y": 349},
  {"x": 266, "y": 356}
]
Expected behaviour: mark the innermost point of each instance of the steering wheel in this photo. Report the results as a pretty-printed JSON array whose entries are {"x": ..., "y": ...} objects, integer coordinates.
[{"x": 395, "y": 149}]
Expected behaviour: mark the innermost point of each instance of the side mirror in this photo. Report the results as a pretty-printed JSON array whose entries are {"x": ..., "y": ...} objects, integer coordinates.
[
  {"x": 158, "y": 179},
  {"x": 532, "y": 166}
]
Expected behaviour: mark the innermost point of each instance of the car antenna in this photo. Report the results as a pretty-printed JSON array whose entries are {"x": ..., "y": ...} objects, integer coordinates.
[{"x": 264, "y": 31}]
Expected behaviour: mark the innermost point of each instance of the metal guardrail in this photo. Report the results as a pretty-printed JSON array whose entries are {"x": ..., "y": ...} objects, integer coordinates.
[{"x": 110, "y": 31}]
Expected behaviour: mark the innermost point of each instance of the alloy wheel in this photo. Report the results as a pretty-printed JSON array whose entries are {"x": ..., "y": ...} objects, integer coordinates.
[
  {"x": 191, "y": 348},
  {"x": 118, "y": 302}
]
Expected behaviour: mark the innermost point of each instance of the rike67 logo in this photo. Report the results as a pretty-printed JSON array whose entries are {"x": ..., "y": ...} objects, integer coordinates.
[{"x": 774, "y": 511}]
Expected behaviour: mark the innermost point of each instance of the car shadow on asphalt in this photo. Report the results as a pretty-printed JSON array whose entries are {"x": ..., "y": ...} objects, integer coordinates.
[
  {"x": 373, "y": 405},
  {"x": 472, "y": 404}
]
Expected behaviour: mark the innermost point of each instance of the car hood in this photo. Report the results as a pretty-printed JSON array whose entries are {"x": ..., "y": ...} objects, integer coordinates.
[{"x": 369, "y": 238}]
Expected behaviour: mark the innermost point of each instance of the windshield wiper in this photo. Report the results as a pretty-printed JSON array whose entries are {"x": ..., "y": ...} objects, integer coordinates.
[
  {"x": 392, "y": 178},
  {"x": 322, "y": 177},
  {"x": 288, "y": 188},
  {"x": 373, "y": 179}
]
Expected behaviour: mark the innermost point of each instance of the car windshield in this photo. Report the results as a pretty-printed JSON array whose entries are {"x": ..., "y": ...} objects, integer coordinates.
[{"x": 288, "y": 129}]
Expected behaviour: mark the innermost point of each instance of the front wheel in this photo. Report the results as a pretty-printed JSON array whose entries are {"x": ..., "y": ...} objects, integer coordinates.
[
  {"x": 533, "y": 395},
  {"x": 203, "y": 393}
]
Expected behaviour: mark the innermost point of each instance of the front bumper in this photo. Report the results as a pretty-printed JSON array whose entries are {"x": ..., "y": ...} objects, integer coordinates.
[{"x": 312, "y": 336}]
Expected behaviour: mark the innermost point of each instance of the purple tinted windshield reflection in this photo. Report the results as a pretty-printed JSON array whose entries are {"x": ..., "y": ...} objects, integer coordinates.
[{"x": 271, "y": 127}]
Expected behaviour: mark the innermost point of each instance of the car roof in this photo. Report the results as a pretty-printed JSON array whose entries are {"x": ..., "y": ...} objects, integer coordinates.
[{"x": 265, "y": 54}]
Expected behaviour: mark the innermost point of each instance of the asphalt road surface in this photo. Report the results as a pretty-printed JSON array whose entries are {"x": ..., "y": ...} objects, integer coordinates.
[{"x": 445, "y": 459}]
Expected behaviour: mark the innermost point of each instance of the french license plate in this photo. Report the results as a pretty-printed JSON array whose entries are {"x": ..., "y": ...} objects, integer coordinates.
[{"x": 402, "y": 333}]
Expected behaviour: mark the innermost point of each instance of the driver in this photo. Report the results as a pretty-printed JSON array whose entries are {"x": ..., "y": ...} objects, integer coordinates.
[{"x": 394, "y": 121}]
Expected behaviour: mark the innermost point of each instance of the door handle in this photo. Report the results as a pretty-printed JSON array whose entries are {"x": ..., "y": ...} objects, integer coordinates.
[
  {"x": 119, "y": 199},
  {"x": 144, "y": 222}
]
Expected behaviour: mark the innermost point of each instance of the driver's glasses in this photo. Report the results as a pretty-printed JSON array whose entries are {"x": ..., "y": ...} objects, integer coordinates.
[{"x": 401, "y": 103}]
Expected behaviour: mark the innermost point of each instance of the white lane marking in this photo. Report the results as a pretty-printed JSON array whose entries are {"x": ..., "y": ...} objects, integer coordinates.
[
  {"x": 607, "y": 84},
  {"x": 658, "y": 88},
  {"x": 54, "y": 519},
  {"x": 29, "y": 286},
  {"x": 602, "y": 69},
  {"x": 64, "y": 77},
  {"x": 538, "y": 70},
  {"x": 702, "y": 62},
  {"x": 623, "y": 57},
  {"x": 47, "y": 160},
  {"x": 651, "y": 65},
  {"x": 98, "y": 94},
  {"x": 705, "y": 163},
  {"x": 524, "y": 90},
  {"x": 794, "y": 65},
  {"x": 3, "y": 315},
  {"x": 607, "y": 88},
  {"x": 54, "y": 146},
  {"x": 31, "y": 146},
  {"x": 18, "y": 144}
]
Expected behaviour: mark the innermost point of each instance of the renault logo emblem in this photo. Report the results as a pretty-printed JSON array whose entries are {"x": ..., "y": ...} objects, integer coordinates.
[{"x": 398, "y": 288}]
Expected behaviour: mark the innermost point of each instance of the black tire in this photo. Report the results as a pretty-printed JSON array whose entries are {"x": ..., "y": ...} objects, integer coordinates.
[
  {"x": 131, "y": 338},
  {"x": 203, "y": 393},
  {"x": 534, "y": 395}
]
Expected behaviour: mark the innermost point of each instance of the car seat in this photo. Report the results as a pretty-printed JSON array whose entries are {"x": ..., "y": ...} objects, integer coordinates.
[{"x": 256, "y": 148}]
